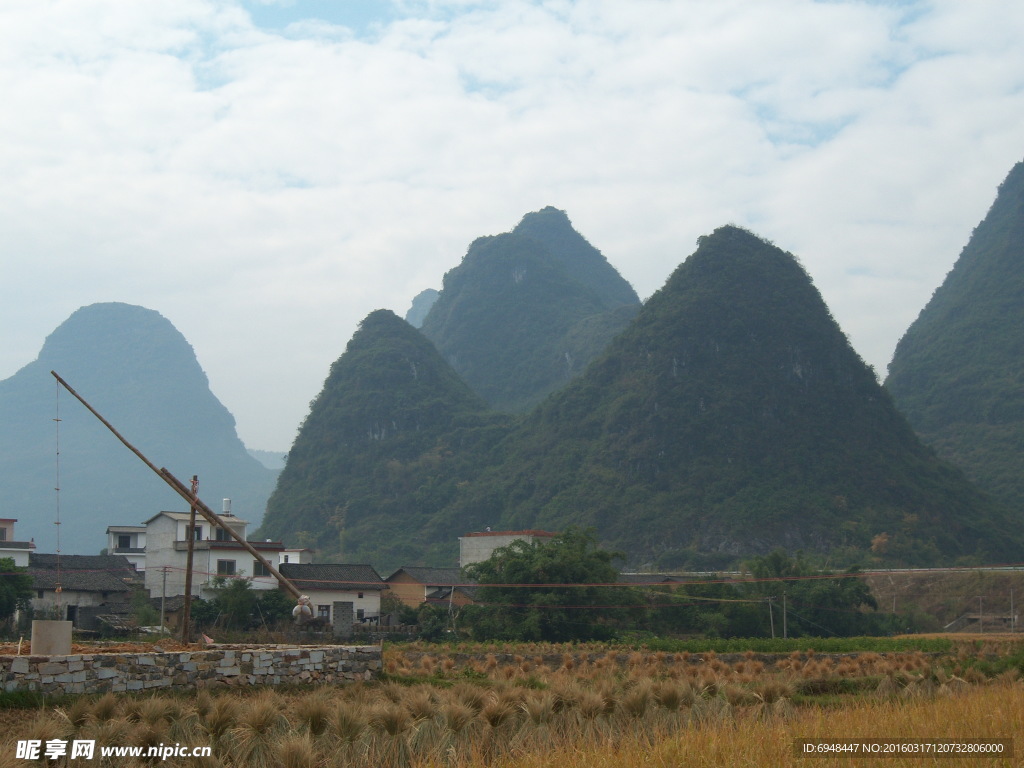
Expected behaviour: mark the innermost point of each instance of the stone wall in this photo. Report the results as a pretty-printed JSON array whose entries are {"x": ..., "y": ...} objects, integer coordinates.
[{"x": 241, "y": 665}]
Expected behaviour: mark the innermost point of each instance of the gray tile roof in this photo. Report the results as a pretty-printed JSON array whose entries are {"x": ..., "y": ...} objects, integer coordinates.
[
  {"x": 110, "y": 563},
  {"x": 82, "y": 573},
  {"x": 438, "y": 577},
  {"x": 443, "y": 594},
  {"x": 308, "y": 576},
  {"x": 76, "y": 581}
]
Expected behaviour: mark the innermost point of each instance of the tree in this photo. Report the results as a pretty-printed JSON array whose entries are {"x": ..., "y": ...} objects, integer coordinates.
[
  {"x": 236, "y": 602},
  {"x": 391, "y": 604},
  {"x": 236, "y": 605},
  {"x": 555, "y": 610},
  {"x": 15, "y": 588},
  {"x": 274, "y": 606},
  {"x": 815, "y": 604},
  {"x": 143, "y": 611}
]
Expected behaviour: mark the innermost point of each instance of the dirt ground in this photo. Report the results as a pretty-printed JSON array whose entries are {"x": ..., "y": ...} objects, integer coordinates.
[{"x": 12, "y": 649}]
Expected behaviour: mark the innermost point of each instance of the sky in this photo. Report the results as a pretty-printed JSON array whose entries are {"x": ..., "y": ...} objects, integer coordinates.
[{"x": 265, "y": 173}]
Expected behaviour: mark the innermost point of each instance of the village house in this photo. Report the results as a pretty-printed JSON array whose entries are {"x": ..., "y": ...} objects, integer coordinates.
[
  {"x": 415, "y": 585},
  {"x": 129, "y": 541},
  {"x": 478, "y": 547},
  {"x": 18, "y": 551},
  {"x": 215, "y": 555},
  {"x": 85, "y": 583},
  {"x": 328, "y": 583}
]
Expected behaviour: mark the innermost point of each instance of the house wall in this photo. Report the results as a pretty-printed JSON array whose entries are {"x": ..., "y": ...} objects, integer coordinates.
[
  {"x": 70, "y": 597},
  {"x": 19, "y": 556},
  {"x": 245, "y": 565},
  {"x": 297, "y": 556},
  {"x": 161, "y": 533},
  {"x": 407, "y": 589},
  {"x": 265, "y": 665},
  {"x": 369, "y": 603},
  {"x": 135, "y": 551},
  {"x": 164, "y": 532},
  {"x": 114, "y": 533},
  {"x": 480, "y": 547},
  {"x": 137, "y": 542}
]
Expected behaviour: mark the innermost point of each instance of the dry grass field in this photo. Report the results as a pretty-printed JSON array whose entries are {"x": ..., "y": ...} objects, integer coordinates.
[{"x": 567, "y": 706}]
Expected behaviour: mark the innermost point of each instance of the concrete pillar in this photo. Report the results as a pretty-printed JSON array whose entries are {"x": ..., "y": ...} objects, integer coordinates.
[
  {"x": 344, "y": 617},
  {"x": 51, "y": 638}
]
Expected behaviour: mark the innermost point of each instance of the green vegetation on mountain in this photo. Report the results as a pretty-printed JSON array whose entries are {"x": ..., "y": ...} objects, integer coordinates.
[
  {"x": 526, "y": 311},
  {"x": 385, "y": 446},
  {"x": 729, "y": 419},
  {"x": 733, "y": 417},
  {"x": 958, "y": 372}
]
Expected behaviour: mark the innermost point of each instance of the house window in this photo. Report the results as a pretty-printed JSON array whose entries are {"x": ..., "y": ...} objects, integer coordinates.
[
  {"x": 360, "y": 614},
  {"x": 197, "y": 533},
  {"x": 286, "y": 558},
  {"x": 225, "y": 567},
  {"x": 360, "y": 595},
  {"x": 39, "y": 594},
  {"x": 323, "y": 612},
  {"x": 124, "y": 541},
  {"x": 3, "y": 534},
  {"x": 259, "y": 569}
]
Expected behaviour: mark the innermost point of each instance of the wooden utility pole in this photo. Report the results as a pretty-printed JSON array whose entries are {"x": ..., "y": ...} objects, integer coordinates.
[
  {"x": 186, "y": 611},
  {"x": 212, "y": 517},
  {"x": 163, "y": 601}
]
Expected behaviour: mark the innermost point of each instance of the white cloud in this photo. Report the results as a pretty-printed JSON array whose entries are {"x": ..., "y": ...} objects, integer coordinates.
[{"x": 265, "y": 190}]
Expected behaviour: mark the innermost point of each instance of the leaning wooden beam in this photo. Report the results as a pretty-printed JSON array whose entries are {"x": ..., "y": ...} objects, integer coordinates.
[{"x": 186, "y": 493}]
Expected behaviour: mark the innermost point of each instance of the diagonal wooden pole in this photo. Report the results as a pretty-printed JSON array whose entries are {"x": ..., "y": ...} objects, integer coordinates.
[{"x": 212, "y": 517}]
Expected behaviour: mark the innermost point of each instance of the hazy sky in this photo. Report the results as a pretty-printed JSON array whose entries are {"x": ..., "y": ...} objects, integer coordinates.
[{"x": 266, "y": 173}]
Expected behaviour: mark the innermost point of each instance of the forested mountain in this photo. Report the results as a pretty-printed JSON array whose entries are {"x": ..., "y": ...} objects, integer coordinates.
[
  {"x": 526, "y": 311},
  {"x": 730, "y": 418},
  {"x": 958, "y": 372},
  {"x": 136, "y": 369},
  {"x": 386, "y": 445}
]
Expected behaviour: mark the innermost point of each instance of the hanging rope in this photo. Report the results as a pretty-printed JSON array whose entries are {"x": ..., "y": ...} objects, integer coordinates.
[{"x": 57, "y": 587}]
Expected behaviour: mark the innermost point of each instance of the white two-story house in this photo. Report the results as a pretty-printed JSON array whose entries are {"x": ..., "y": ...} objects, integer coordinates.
[
  {"x": 18, "y": 551},
  {"x": 214, "y": 554},
  {"x": 129, "y": 541}
]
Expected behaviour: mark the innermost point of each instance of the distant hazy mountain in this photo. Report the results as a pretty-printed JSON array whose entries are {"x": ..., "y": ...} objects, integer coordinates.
[
  {"x": 269, "y": 459},
  {"x": 731, "y": 417},
  {"x": 387, "y": 444},
  {"x": 140, "y": 373},
  {"x": 421, "y": 305},
  {"x": 958, "y": 372},
  {"x": 526, "y": 311}
]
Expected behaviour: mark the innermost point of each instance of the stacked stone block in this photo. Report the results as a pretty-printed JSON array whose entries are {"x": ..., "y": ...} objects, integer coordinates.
[{"x": 262, "y": 665}]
